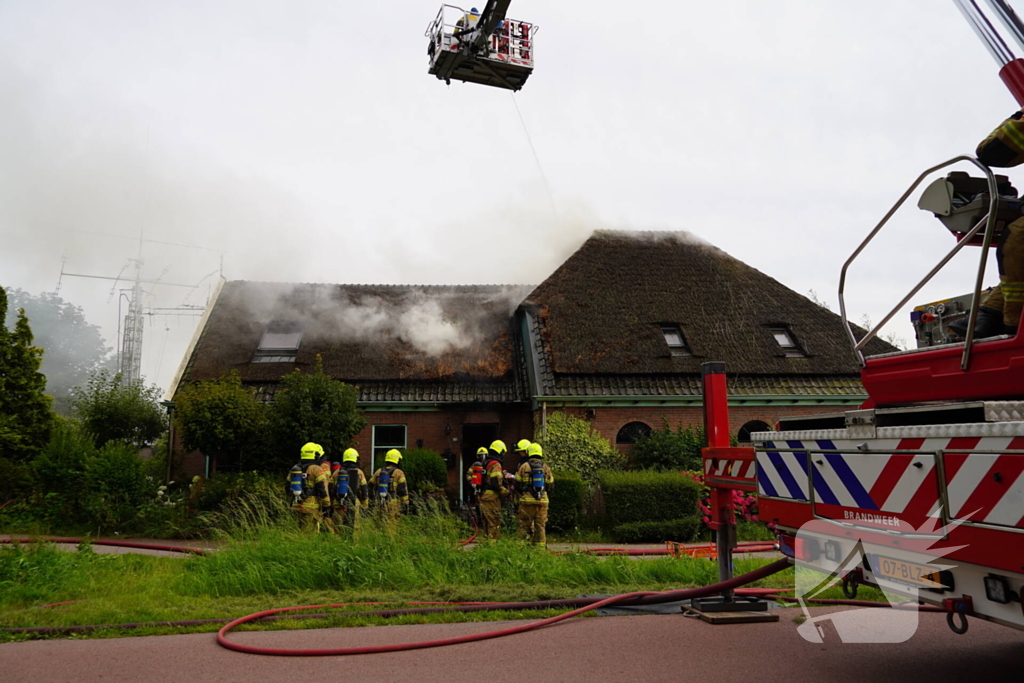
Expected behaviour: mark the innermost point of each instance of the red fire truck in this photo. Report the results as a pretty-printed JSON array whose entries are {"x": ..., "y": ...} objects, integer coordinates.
[{"x": 924, "y": 484}]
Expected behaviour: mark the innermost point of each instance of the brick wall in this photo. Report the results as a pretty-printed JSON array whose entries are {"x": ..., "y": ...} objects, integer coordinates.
[{"x": 608, "y": 421}]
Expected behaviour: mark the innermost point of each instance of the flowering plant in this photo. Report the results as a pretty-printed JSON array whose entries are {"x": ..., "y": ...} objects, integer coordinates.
[{"x": 744, "y": 505}]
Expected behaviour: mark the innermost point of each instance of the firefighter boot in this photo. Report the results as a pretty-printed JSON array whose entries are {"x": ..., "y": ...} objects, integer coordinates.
[{"x": 989, "y": 324}]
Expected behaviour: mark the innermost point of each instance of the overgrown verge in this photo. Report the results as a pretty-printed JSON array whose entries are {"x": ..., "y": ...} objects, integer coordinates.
[{"x": 266, "y": 562}]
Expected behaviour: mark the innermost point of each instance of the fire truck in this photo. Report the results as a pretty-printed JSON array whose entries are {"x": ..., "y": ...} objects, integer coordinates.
[{"x": 932, "y": 465}]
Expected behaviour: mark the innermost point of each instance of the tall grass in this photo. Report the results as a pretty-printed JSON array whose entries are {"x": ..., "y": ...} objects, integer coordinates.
[{"x": 422, "y": 554}]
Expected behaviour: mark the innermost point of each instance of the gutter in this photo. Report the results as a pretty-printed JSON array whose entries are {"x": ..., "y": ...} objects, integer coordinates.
[{"x": 696, "y": 401}]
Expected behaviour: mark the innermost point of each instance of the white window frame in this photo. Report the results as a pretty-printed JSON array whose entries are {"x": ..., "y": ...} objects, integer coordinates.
[
  {"x": 678, "y": 350},
  {"x": 373, "y": 442},
  {"x": 792, "y": 348}
]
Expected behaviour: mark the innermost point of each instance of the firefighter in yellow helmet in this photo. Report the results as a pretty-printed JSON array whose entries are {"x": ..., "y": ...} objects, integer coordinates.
[
  {"x": 390, "y": 488},
  {"x": 351, "y": 496},
  {"x": 534, "y": 480},
  {"x": 307, "y": 484},
  {"x": 475, "y": 477},
  {"x": 494, "y": 491}
]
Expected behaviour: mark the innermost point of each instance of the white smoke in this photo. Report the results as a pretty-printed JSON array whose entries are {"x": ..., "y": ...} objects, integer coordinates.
[{"x": 434, "y": 321}]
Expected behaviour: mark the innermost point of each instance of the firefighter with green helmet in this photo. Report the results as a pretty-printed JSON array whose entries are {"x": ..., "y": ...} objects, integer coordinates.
[
  {"x": 390, "y": 488},
  {"x": 494, "y": 490},
  {"x": 307, "y": 485},
  {"x": 534, "y": 480},
  {"x": 350, "y": 489}
]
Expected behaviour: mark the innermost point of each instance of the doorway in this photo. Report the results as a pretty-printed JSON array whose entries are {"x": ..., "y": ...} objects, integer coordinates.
[{"x": 473, "y": 437}]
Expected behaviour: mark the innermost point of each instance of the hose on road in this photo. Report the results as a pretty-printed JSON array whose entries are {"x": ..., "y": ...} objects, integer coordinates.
[{"x": 585, "y": 605}]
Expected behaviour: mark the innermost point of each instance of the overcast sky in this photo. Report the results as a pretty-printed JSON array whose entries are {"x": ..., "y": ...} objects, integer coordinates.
[{"x": 305, "y": 142}]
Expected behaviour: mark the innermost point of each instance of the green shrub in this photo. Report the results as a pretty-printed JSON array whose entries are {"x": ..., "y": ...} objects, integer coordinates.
[
  {"x": 566, "y": 501},
  {"x": 680, "y": 530},
  {"x": 572, "y": 444},
  {"x": 648, "y": 496},
  {"x": 60, "y": 469},
  {"x": 425, "y": 470},
  {"x": 668, "y": 449},
  {"x": 225, "y": 488},
  {"x": 115, "y": 486},
  {"x": 15, "y": 480}
]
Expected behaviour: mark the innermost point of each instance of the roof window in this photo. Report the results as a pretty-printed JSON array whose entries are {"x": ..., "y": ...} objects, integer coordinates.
[
  {"x": 787, "y": 342},
  {"x": 675, "y": 340},
  {"x": 279, "y": 344}
]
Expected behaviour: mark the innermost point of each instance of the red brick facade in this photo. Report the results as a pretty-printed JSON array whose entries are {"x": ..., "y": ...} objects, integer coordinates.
[
  {"x": 442, "y": 431},
  {"x": 608, "y": 421}
]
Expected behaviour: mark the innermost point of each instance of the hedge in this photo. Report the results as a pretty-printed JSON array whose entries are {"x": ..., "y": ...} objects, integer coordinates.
[
  {"x": 425, "y": 470},
  {"x": 648, "y": 496},
  {"x": 681, "y": 530},
  {"x": 566, "y": 501}
]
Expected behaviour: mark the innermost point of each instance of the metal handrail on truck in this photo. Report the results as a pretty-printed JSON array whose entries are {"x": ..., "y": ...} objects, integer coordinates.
[{"x": 988, "y": 221}]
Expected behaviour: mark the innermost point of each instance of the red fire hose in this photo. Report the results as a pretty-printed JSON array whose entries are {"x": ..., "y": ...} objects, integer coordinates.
[
  {"x": 119, "y": 544},
  {"x": 588, "y": 604}
]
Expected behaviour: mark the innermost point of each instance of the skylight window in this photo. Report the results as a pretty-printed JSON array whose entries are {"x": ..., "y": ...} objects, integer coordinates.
[
  {"x": 279, "y": 344},
  {"x": 787, "y": 342},
  {"x": 675, "y": 340}
]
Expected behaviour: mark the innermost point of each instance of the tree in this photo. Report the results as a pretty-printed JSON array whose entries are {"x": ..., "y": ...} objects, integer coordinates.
[
  {"x": 221, "y": 418},
  {"x": 25, "y": 416},
  {"x": 117, "y": 411},
  {"x": 74, "y": 348},
  {"x": 314, "y": 407},
  {"x": 572, "y": 444}
]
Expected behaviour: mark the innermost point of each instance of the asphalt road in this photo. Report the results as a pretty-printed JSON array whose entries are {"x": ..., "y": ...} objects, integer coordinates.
[{"x": 630, "y": 648}]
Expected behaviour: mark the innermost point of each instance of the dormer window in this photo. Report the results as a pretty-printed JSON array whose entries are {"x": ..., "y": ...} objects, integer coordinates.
[
  {"x": 279, "y": 344},
  {"x": 787, "y": 342},
  {"x": 675, "y": 340}
]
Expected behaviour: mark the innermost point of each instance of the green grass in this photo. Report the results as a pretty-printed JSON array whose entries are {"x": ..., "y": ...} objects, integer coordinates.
[{"x": 277, "y": 566}]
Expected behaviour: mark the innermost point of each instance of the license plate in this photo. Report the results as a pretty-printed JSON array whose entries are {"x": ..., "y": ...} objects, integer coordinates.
[{"x": 909, "y": 573}]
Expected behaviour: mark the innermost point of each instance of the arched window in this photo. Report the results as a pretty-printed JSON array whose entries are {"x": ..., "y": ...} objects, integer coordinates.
[
  {"x": 629, "y": 434},
  {"x": 750, "y": 427}
]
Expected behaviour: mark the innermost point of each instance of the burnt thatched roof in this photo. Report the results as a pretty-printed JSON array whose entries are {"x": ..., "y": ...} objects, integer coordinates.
[
  {"x": 434, "y": 335},
  {"x": 605, "y": 310}
]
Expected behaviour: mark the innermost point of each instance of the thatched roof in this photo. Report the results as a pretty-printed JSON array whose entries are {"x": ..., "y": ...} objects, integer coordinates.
[
  {"x": 371, "y": 333},
  {"x": 603, "y": 312}
]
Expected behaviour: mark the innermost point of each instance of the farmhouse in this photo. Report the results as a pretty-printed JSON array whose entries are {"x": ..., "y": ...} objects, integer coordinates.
[{"x": 616, "y": 335}]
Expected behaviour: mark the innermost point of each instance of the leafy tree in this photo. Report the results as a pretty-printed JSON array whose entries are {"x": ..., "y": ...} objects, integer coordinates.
[
  {"x": 74, "y": 348},
  {"x": 118, "y": 411},
  {"x": 25, "y": 415},
  {"x": 572, "y": 444},
  {"x": 668, "y": 449},
  {"x": 312, "y": 406},
  {"x": 222, "y": 418}
]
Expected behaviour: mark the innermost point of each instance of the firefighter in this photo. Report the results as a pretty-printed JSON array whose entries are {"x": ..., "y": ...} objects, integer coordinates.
[
  {"x": 475, "y": 478},
  {"x": 1000, "y": 311},
  {"x": 534, "y": 480},
  {"x": 307, "y": 484},
  {"x": 390, "y": 488},
  {"x": 351, "y": 496},
  {"x": 494, "y": 494}
]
